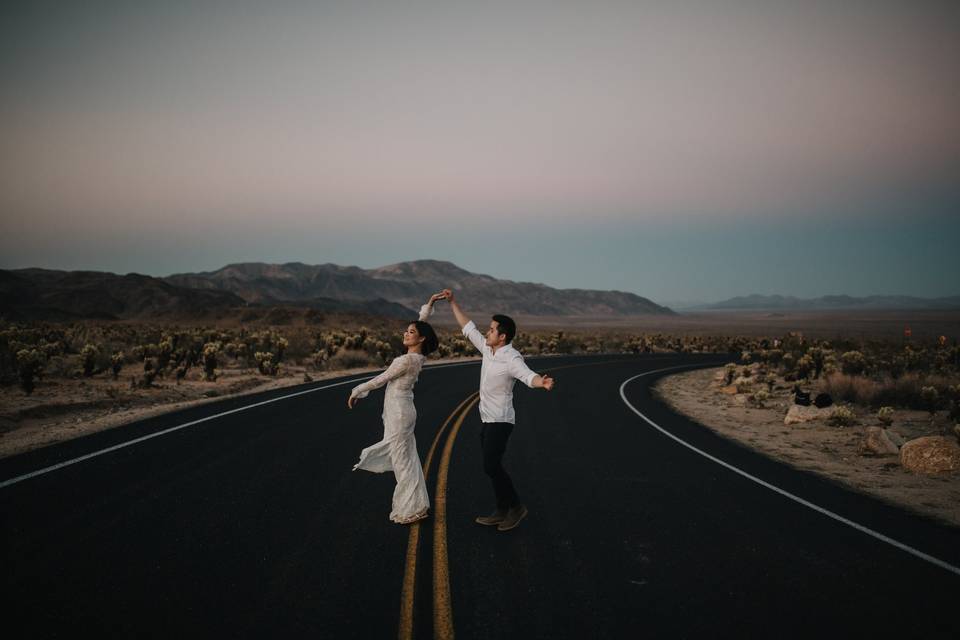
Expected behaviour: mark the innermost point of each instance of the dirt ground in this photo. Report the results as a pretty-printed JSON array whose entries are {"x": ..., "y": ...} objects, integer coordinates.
[
  {"x": 815, "y": 446},
  {"x": 61, "y": 409}
]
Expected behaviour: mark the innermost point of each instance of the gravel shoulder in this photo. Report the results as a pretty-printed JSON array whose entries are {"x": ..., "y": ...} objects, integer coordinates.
[{"x": 814, "y": 446}]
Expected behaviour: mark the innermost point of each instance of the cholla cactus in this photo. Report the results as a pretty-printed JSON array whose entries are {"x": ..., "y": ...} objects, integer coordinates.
[
  {"x": 729, "y": 372},
  {"x": 804, "y": 366},
  {"x": 842, "y": 417},
  {"x": 281, "y": 346},
  {"x": 266, "y": 364},
  {"x": 116, "y": 363},
  {"x": 953, "y": 397},
  {"x": 885, "y": 415},
  {"x": 209, "y": 356},
  {"x": 320, "y": 359},
  {"x": 88, "y": 355},
  {"x": 29, "y": 367},
  {"x": 746, "y": 357},
  {"x": 164, "y": 350},
  {"x": 759, "y": 397},
  {"x": 853, "y": 363},
  {"x": 930, "y": 398}
]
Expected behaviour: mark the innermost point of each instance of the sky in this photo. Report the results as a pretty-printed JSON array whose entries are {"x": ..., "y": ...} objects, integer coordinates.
[{"x": 683, "y": 151}]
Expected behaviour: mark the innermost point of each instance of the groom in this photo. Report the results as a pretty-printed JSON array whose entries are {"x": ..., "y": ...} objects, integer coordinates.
[{"x": 502, "y": 365}]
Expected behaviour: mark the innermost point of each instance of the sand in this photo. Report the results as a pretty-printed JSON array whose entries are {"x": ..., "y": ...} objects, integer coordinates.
[{"x": 816, "y": 447}]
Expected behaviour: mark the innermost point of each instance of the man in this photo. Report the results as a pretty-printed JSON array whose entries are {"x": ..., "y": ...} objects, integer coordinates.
[{"x": 502, "y": 366}]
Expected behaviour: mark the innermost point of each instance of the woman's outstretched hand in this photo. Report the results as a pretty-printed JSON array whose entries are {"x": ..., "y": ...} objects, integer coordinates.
[{"x": 438, "y": 296}]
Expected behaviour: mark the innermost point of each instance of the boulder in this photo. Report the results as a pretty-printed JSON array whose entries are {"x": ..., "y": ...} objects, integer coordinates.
[
  {"x": 799, "y": 414},
  {"x": 877, "y": 442},
  {"x": 931, "y": 454}
]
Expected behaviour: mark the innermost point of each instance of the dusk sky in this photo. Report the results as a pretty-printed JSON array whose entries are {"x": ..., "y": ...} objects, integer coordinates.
[{"x": 684, "y": 151}]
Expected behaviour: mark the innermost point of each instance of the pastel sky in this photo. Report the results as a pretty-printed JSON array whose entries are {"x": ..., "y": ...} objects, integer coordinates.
[{"x": 685, "y": 151}]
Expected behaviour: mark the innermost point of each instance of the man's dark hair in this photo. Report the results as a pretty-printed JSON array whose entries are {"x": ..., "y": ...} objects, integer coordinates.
[
  {"x": 430, "y": 341},
  {"x": 506, "y": 326}
]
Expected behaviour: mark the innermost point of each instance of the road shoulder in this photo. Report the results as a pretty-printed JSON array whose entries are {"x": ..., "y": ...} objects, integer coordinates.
[{"x": 829, "y": 451}]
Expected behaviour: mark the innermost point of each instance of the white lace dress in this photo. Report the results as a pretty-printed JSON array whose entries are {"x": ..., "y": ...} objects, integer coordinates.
[{"x": 397, "y": 451}]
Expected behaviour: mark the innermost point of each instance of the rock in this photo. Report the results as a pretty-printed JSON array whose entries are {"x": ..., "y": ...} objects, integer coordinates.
[
  {"x": 799, "y": 414},
  {"x": 894, "y": 437},
  {"x": 731, "y": 390},
  {"x": 931, "y": 454},
  {"x": 877, "y": 442}
]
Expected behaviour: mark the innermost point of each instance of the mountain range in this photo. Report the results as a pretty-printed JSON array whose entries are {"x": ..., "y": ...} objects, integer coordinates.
[
  {"x": 392, "y": 291},
  {"x": 826, "y": 303}
]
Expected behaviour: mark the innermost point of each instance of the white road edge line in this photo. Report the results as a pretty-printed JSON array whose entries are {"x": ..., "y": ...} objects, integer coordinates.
[
  {"x": 787, "y": 494},
  {"x": 67, "y": 463}
]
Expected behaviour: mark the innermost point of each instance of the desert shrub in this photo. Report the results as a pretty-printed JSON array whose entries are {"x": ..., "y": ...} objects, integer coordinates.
[
  {"x": 848, "y": 388},
  {"x": 278, "y": 316},
  {"x": 746, "y": 357},
  {"x": 352, "y": 359},
  {"x": 842, "y": 417},
  {"x": 299, "y": 346},
  {"x": 885, "y": 415},
  {"x": 805, "y": 366}
]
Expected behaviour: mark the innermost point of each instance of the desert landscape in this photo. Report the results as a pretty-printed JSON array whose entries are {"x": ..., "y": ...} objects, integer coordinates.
[{"x": 63, "y": 380}]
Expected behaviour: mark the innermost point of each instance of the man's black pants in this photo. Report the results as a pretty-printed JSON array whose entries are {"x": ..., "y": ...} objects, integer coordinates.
[{"x": 493, "y": 440}]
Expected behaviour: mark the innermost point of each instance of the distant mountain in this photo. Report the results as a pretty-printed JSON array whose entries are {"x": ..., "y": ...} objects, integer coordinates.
[
  {"x": 410, "y": 284},
  {"x": 65, "y": 295},
  {"x": 842, "y": 302}
]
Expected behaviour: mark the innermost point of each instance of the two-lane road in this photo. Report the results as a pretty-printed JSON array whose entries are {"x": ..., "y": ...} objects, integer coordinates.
[{"x": 251, "y": 524}]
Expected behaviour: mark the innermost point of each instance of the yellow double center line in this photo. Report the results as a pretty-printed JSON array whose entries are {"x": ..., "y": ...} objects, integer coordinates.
[{"x": 442, "y": 612}]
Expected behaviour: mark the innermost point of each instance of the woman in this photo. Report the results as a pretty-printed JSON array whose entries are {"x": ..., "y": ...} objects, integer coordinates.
[{"x": 397, "y": 451}]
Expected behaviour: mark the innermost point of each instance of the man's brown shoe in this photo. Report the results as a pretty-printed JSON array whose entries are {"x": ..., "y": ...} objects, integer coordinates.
[
  {"x": 494, "y": 518},
  {"x": 513, "y": 518}
]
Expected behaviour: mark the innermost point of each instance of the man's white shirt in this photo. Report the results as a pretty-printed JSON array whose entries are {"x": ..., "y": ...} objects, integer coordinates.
[{"x": 497, "y": 375}]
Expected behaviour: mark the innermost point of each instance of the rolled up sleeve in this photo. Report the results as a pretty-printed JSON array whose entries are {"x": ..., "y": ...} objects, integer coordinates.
[{"x": 474, "y": 336}]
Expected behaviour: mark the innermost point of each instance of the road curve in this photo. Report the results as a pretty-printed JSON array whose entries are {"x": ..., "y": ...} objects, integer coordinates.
[{"x": 251, "y": 523}]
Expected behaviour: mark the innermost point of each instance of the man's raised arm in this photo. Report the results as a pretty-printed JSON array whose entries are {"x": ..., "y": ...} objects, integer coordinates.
[{"x": 462, "y": 319}]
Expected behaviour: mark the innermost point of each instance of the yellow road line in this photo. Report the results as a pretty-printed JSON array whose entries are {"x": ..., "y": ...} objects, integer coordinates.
[
  {"x": 442, "y": 609},
  {"x": 413, "y": 542}
]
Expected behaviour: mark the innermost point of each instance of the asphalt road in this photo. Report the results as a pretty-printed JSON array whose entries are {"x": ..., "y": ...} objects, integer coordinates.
[{"x": 251, "y": 524}]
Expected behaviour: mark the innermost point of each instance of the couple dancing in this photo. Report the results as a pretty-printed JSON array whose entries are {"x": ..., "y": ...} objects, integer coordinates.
[{"x": 397, "y": 452}]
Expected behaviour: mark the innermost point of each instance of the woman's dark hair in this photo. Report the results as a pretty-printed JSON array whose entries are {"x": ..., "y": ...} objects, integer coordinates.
[
  {"x": 506, "y": 325},
  {"x": 430, "y": 341}
]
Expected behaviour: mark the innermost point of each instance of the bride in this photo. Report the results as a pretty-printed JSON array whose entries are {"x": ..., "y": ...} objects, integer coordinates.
[{"x": 397, "y": 451}]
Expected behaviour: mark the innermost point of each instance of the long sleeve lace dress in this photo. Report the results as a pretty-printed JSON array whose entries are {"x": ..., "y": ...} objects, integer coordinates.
[{"x": 397, "y": 451}]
